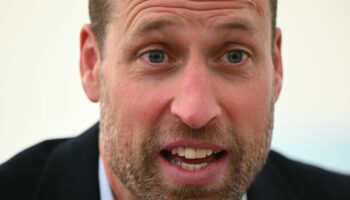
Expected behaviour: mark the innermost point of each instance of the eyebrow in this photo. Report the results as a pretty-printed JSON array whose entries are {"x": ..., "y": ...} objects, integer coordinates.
[
  {"x": 150, "y": 26},
  {"x": 156, "y": 25},
  {"x": 238, "y": 26}
]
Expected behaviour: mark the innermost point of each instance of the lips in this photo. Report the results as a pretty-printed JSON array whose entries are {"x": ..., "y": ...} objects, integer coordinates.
[{"x": 192, "y": 162}]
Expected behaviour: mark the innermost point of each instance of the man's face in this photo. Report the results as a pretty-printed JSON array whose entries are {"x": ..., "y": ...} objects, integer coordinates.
[{"x": 187, "y": 90}]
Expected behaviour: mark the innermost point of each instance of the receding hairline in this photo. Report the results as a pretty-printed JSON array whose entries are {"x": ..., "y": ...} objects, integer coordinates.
[{"x": 100, "y": 16}]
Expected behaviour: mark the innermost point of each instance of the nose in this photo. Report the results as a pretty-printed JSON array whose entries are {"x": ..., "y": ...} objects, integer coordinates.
[{"x": 195, "y": 102}]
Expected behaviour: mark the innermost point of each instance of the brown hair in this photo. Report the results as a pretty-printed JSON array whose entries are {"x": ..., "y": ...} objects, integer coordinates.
[{"x": 99, "y": 12}]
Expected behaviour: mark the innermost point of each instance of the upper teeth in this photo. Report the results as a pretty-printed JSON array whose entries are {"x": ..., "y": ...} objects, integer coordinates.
[{"x": 191, "y": 153}]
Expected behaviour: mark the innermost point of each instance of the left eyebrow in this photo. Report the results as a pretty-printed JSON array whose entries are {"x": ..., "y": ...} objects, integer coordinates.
[{"x": 238, "y": 26}]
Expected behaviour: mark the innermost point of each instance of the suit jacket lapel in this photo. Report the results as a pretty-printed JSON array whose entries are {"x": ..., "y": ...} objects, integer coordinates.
[
  {"x": 270, "y": 185},
  {"x": 72, "y": 171}
]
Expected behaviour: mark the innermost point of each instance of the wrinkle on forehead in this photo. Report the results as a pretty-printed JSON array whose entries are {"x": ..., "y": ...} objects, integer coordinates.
[
  {"x": 130, "y": 9},
  {"x": 197, "y": 4}
]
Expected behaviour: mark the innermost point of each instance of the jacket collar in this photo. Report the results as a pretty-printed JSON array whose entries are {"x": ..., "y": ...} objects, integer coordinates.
[
  {"x": 71, "y": 172},
  {"x": 270, "y": 184}
]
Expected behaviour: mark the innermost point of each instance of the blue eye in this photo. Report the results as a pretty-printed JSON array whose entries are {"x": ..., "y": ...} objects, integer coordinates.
[
  {"x": 156, "y": 56},
  {"x": 235, "y": 56}
]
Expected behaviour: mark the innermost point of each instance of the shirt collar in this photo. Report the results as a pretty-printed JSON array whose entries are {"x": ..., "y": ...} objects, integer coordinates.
[{"x": 105, "y": 189}]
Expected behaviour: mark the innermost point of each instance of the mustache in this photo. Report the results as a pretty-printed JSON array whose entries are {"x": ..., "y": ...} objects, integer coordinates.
[{"x": 216, "y": 133}]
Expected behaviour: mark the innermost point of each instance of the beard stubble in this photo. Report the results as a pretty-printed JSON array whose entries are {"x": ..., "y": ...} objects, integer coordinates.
[{"x": 134, "y": 160}]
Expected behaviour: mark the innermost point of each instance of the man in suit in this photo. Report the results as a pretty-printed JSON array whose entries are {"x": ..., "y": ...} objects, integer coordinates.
[{"x": 187, "y": 92}]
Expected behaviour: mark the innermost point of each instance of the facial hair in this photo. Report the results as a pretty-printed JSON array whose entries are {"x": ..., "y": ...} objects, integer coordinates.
[{"x": 134, "y": 162}]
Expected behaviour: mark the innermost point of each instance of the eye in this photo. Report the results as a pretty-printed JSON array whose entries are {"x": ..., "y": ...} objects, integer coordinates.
[
  {"x": 155, "y": 56},
  {"x": 235, "y": 56}
]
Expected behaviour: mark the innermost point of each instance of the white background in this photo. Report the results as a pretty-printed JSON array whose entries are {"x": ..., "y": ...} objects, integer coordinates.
[{"x": 41, "y": 95}]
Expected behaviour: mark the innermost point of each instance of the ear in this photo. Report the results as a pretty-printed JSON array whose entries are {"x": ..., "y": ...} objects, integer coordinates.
[
  {"x": 89, "y": 63},
  {"x": 277, "y": 62}
]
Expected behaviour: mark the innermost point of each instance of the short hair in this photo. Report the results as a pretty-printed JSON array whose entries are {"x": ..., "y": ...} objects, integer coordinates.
[{"x": 99, "y": 12}]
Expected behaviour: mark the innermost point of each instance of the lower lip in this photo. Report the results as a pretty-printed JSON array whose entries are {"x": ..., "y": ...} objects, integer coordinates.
[{"x": 205, "y": 176}]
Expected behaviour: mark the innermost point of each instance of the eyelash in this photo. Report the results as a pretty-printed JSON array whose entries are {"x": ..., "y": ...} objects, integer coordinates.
[
  {"x": 244, "y": 57},
  {"x": 145, "y": 53},
  {"x": 222, "y": 59}
]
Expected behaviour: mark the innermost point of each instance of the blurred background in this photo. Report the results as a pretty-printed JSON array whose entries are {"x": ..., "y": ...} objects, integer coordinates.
[{"x": 41, "y": 95}]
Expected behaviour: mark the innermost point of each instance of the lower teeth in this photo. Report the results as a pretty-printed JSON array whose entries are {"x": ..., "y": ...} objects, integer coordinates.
[{"x": 191, "y": 167}]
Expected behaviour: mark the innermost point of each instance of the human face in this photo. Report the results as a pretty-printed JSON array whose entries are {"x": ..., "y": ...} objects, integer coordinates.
[{"x": 187, "y": 90}]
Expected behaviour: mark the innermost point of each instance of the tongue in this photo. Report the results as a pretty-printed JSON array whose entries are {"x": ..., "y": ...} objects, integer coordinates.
[{"x": 196, "y": 161}]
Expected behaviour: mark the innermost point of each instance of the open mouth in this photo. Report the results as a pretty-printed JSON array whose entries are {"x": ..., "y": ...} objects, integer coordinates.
[{"x": 192, "y": 159}]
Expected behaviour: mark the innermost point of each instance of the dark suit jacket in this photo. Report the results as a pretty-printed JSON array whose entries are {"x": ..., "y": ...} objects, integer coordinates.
[{"x": 67, "y": 169}]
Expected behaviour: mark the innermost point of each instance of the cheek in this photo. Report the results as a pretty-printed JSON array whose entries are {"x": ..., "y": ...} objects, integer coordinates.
[
  {"x": 249, "y": 113},
  {"x": 249, "y": 106},
  {"x": 140, "y": 105}
]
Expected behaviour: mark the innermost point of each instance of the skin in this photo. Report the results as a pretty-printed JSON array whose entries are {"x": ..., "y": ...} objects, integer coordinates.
[{"x": 194, "y": 94}]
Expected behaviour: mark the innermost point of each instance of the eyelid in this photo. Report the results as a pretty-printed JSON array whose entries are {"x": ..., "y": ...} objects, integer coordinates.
[
  {"x": 148, "y": 49},
  {"x": 166, "y": 59},
  {"x": 143, "y": 61},
  {"x": 237, "y": 48},
  {"x": 222, "y": 60},
  {"x": 160, "y": 46},
  {"x": 223, "y": 48}
]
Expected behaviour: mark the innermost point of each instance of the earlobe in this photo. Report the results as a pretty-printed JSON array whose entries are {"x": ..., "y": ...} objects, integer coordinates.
[
  {"x": 278, "y": 65},
  {"x": 89, "y": 63}
]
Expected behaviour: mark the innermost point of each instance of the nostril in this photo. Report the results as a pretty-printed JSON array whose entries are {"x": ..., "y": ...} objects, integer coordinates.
[
  {"x": 195, "y": 119},
  {"x": 195, "y": 112}
]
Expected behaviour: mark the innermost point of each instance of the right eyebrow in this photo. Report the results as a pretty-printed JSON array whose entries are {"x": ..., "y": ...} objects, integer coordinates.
[{"x": 150, "y": 26}]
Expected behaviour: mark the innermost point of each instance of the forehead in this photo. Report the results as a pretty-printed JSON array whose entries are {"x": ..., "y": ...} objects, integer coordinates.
[
  {"x": 128, "y": 12},
  {"x": 195, "y": 5}
]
